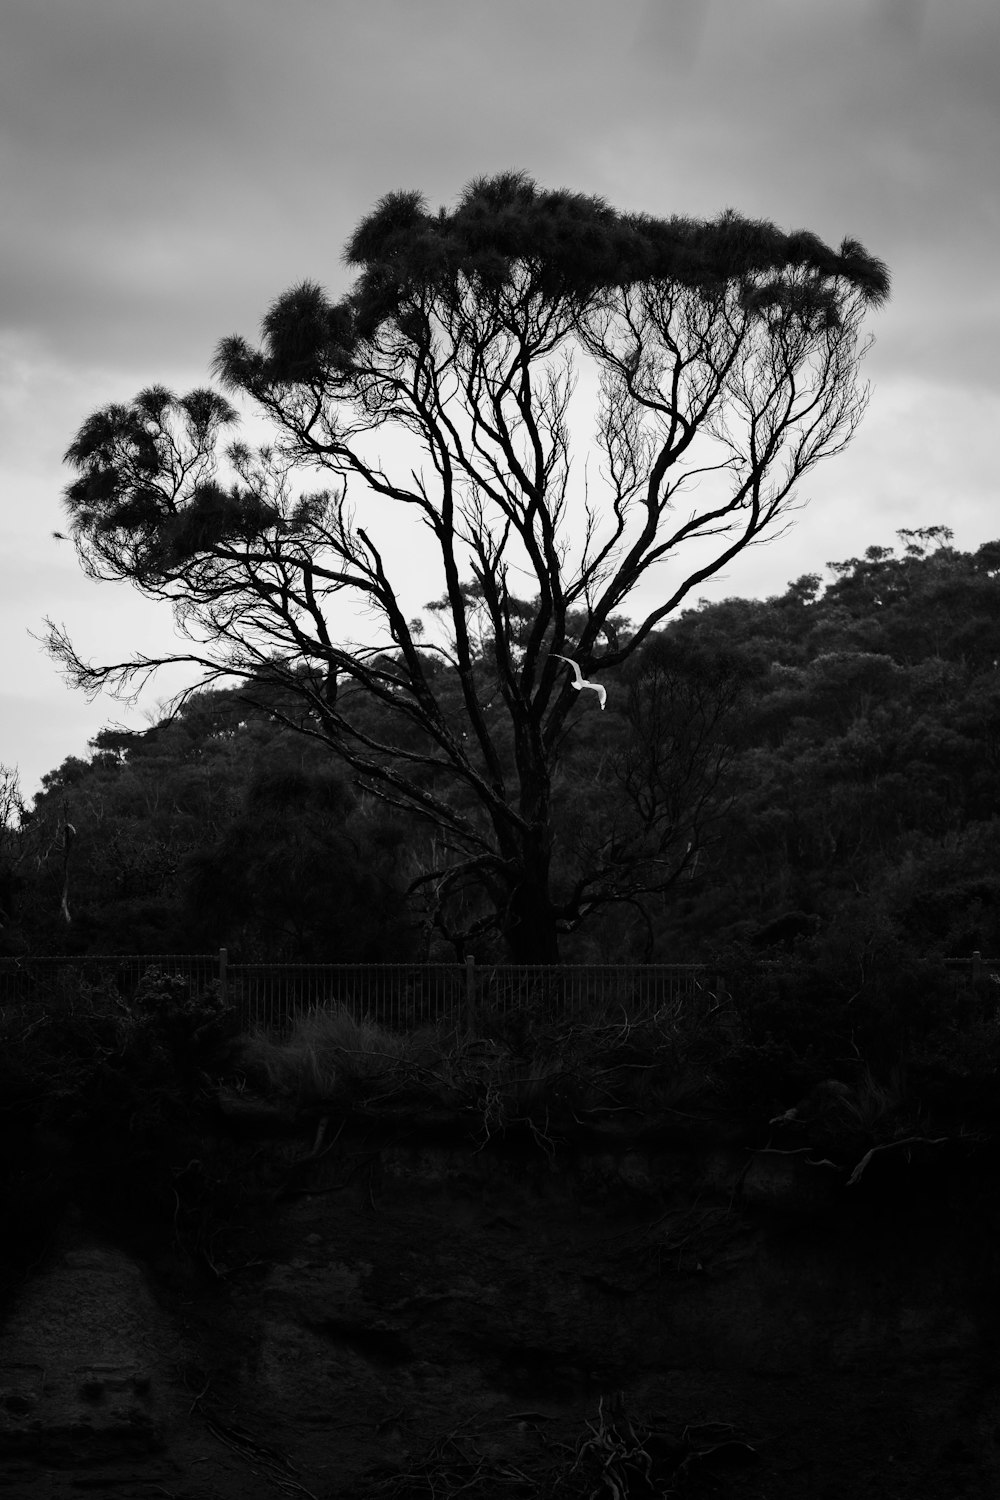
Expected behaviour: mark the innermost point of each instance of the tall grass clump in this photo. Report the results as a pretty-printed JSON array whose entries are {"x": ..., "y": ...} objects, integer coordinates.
[{"x": 330, "y": 1055}]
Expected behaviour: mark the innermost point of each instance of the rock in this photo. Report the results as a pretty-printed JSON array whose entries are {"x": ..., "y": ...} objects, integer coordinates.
[{"x": 84, "y": 1362}]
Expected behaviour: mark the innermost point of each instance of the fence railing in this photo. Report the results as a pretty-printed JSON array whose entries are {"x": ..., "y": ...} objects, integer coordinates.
[{"x": 402, "y": 996}]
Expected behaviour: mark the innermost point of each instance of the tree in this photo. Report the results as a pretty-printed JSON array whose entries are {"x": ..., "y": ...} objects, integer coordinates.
[
  {"x": 444, "y": 384},
  {"x": 216, "y": 827},
  {"x": 138, "y": 808},
  {"x": 290, "y": 878},
  {"x": 12, "y": 849},
  {"x": 646, "y": 793},
  {"x": 867, "y": 763}
]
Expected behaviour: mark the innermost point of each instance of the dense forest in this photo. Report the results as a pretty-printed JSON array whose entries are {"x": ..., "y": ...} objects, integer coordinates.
[{"x": 819, "y": 766}]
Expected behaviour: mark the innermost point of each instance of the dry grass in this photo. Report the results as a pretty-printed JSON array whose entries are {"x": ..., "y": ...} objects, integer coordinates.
[
  {"x": 531, "y": 1068},
  {"x": 331, "y": 1054}
]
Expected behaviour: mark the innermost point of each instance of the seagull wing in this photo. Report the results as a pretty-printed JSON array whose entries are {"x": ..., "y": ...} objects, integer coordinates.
[{"x": 570, "y": 662}]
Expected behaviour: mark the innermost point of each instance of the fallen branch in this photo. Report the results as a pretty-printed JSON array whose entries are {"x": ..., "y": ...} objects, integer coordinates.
[{"x": 909, "y": 1140}]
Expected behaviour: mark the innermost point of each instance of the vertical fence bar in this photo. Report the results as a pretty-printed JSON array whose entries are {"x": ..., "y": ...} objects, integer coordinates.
[
  {"x": 223, "y": 974},
  {"x": 470, "y": 996}
]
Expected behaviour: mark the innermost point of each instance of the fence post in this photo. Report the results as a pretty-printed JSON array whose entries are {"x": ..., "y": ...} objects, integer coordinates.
[
  {"x": 470, "y": 995},
  {"x": 977, "y": 969},
  {"x": 223, "y": 980}
]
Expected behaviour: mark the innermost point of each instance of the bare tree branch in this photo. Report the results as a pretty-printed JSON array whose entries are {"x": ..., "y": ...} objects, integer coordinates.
[{"x": 725, "y": 357}]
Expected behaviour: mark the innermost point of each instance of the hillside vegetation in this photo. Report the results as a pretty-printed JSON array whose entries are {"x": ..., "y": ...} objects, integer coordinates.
[{"x": 834, "y": 753}]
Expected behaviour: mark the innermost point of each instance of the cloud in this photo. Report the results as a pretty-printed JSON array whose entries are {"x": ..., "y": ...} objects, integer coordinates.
[{"x": 170, "y": 168}]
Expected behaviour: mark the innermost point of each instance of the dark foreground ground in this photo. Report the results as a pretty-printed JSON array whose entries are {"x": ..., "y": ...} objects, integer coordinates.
[{"x": 408, "y": 1315}]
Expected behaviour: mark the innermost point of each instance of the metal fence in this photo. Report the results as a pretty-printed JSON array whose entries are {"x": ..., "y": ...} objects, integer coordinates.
[
  {"x": 976, "y": 970},
  {"x": 402, "y": 996},
  {"x": 405, "y": 996},
  {"x": 397, "y": 995}
]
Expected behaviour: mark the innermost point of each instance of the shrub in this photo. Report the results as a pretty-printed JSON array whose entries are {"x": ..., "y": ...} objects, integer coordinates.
[{"x": 331, "y": 1054}]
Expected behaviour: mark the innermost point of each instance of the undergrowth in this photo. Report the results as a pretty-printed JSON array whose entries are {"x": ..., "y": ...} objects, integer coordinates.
[
  {"x": 776, "y": 1051},
  {"x": 103, "y": 1102},
  {"x": 505, "y": 1074},
  {"x": 114, "y": 1099},
  {"x": 618, "y": 1456}
]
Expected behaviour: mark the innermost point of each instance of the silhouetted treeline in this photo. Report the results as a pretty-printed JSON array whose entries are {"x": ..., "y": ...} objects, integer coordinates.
[{"x": 824, "y": 763}]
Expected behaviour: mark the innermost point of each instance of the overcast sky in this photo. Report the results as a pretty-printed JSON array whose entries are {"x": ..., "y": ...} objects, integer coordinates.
[{"x": 169, "y": 166}]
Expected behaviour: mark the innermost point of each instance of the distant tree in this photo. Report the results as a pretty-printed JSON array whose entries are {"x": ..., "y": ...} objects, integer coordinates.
[
  {"x": 868, "y": 750},
  {"x": 138, "y": 807},
  {"x": 784, "y": 930},
  {"x": 12, "y": 853},
  {"x": 442, "y": 388},
  {"x": 645, "y": 795},
  {"x": 298, "y": 874}
]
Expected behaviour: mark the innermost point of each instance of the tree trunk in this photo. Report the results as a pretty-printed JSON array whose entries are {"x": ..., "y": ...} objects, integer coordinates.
[{"x": 530, "y": 928}]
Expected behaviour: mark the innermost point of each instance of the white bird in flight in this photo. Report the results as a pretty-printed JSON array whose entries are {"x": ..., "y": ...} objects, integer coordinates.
[{"x": 581, "y": 682}]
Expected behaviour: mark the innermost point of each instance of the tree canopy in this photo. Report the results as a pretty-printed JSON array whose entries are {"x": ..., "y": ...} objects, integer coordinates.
[{"x": 722, "y": 362}]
